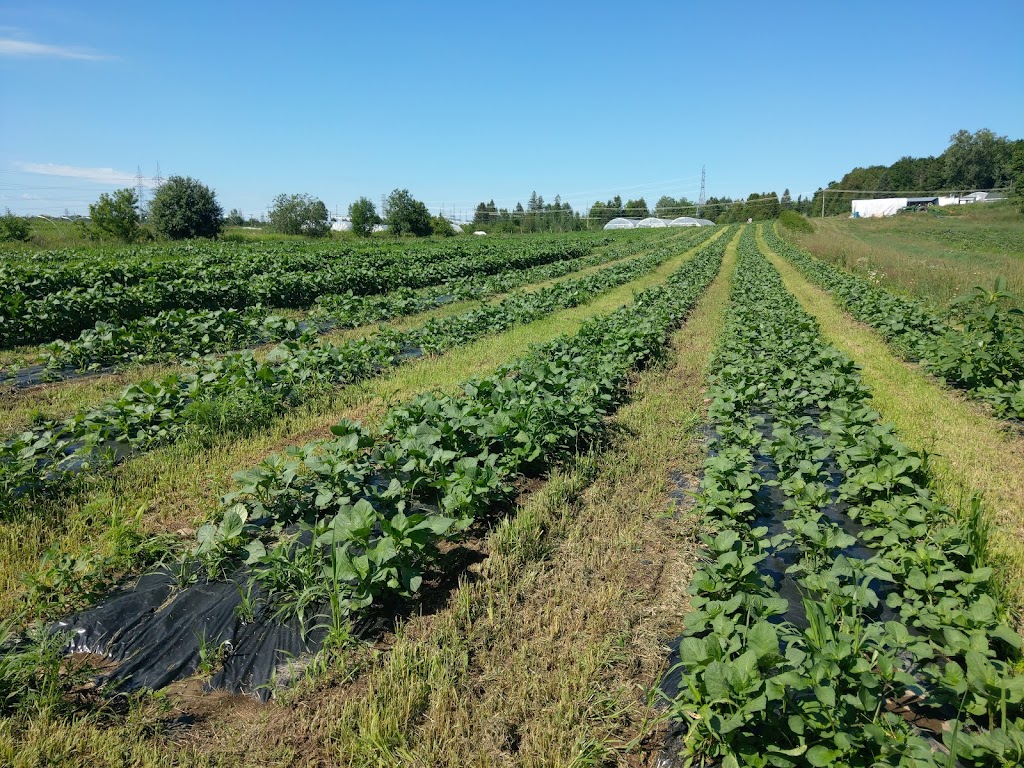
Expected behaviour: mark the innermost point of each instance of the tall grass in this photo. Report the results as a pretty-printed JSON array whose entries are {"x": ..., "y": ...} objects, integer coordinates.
[{"x": 929, "y": 256}]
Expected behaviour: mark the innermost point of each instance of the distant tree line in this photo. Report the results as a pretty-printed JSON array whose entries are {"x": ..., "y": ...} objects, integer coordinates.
[
  {"x": 721, "y": 210},
  {"x": 972, "y": 161},
  {"x": 537, "y": 216}
]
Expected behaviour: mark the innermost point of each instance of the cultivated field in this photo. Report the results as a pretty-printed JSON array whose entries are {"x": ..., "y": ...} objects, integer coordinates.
[{"x": 710, "y": 496}]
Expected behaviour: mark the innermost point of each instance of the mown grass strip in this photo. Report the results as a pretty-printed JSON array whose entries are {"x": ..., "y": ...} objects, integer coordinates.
[
  {"x": 172, "y": 489},
  {"x": 970, "y": 450}
]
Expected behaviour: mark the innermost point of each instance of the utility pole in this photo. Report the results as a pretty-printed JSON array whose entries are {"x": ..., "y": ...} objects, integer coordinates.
[
  {"x": 700, "y": 200},
  {"x": 823, "y": 202}
]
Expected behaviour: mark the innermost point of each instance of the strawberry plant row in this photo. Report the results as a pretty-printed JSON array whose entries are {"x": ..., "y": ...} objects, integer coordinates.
[
  {"x": 40, "y": 273},
  {"x": 350, "y": 310},
  {"x": 178, "y": 333},
  {"x": 843, "y": 616},
  {"x": 238, "y": 391},
  {"x": 37, "y": 310},
  {"x": 979, "y": 347},
  {"x": 312, "y": 540}
]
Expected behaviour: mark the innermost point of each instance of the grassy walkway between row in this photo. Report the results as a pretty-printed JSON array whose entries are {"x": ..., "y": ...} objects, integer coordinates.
[{"x": 969, "y": 450}]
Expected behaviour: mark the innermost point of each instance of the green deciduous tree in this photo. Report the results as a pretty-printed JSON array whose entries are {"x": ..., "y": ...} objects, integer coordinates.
[
  {"x": 439, "y": 225},
  {"x": 299, "y": 215},
  {"x": 117, "y": 214},
  {"x": 637, "y": 209},
  {"x": 976, "y": 161},
  {"x": 14, "y": 228},
  {"x": 667, "y": 207},
  {"x": 405, "y": 215},
  {"x": 602, "y": 213},
  {"x": 364, "y": 216},
  {"x": 1016, "y": 172},
  {"x": 184, "y": 207}
]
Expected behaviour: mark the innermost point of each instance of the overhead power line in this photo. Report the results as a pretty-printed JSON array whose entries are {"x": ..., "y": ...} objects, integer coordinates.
[{"x": 897, "y": 191}]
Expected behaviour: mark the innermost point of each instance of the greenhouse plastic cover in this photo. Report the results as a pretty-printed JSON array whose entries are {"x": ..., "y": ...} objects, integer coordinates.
[
  {"x": 684, "y": 221},
  {"x": 652, "y": 221},
  {"x": 620, "y": 223},
  {"x": 866, "y": 209}
]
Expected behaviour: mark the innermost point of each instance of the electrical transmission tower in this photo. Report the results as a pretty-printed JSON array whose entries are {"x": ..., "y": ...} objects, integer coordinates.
[
  {"x": 140, "y": 189},
  {"x": 700, "y": 200},
  {"x": 158, "y": 179}
]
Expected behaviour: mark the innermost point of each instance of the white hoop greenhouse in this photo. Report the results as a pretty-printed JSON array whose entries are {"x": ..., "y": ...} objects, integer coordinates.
[{"x": 620, "y": 223}]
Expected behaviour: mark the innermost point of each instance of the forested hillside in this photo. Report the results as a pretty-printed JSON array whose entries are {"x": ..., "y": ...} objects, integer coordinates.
[{"x": 972, "y": 161}]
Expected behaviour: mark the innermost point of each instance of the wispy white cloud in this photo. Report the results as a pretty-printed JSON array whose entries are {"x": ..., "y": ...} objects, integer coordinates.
[
  {"x": 12, "y": 48},
  {"x": 97, "y": 175}
]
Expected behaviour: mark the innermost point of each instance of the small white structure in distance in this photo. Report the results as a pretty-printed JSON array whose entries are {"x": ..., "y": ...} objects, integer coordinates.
[
  {"x": 456, "y": 227},
  {"x": 620, "y": 223},
  {"x": 887, "y": 206},
  {"x": 684, "y": 221},
  {"x": 343, "y": 224},
  {"x": 890, "y": 206},
  {"x": 479, "y": 232},
  {"x": 705, "y": 222},
  {"x": 982, "y": 197},
  {"x": 652, "y": 221}
]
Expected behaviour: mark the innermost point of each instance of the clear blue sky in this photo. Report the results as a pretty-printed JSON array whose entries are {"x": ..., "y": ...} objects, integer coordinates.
[{"x": 463, "y": 102}]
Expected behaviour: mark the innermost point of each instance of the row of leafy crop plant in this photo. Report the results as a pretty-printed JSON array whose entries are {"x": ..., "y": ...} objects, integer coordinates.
[
  {"x": 40, "y": 304},
  {"x": 39, "y": 273},
  {"x": 891, "y": 648},
  {"x": 238, "y": 391},
  {"x": 173, "y": 334},
  {"x": 339, "y": 526},
  {"x": 979, "y": 347}
]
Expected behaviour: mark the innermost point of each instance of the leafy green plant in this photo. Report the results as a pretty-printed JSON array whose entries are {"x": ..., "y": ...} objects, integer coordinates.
[
  {"x": 34, "y": 673},
  {"x": 211, "y": 654},
  {"x": 14, "y": 229}
]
